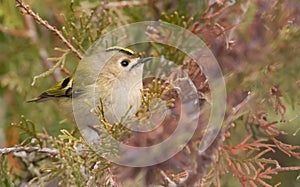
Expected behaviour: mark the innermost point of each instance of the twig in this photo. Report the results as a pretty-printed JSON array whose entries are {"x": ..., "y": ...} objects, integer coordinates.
[
  {"x": 272, "y": 132},
  {"x": 25, "y": 9},
  {"x": 32, "y": 34},
  {"x": 239, "y": 109},
  {"x": 167, "y": 180},
  {"x": 216, "y": 14},
  {"x": 206, "y": 18},
  {"x": 292, "y": 168},
  {"x": 278, "y": 104},
  {"x": 7, "y": 150},
  {"x": 52, "y": 68},
  {"x": 93, "y": 176},
  {"x": 125, "y": 4}
]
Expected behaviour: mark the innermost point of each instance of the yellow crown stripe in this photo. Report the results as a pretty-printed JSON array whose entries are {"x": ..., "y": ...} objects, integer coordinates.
[{"x": 121, "y": 49}]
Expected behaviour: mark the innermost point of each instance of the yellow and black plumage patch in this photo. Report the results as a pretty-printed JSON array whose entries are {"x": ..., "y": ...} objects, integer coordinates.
[
  {"x": 62, "y": 89},
  {"x": 121, "y": 49}
]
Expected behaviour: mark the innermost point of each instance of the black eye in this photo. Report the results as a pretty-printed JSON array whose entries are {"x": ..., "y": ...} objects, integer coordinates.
[{"x": 124, "y": 63}]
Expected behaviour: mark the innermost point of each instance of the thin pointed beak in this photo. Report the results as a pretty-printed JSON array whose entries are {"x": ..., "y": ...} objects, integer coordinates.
[
  {"x": 143, "y": 60},
  {"x": 140, "y": 61}
]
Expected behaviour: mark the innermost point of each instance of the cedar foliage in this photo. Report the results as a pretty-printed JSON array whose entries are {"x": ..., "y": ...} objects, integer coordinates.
[{"x": 257, "y": 46}]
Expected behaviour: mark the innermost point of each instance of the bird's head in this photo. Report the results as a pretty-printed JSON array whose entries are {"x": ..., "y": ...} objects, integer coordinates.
[{"x": 124, "y": 64}]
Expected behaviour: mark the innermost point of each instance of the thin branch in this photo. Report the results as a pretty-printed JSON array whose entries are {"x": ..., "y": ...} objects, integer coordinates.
[
  {"x": 53, "y": 68},
  {"x": 94, "y": 174},
  {"x": 25, "y": 9},
  {"x": 32, "y": 34},
  {"x": 206, "y": 17},
  {"x": 291, "y": 168},
  {"x": 167, "y": 180},
  {"x": 278, "y": 104},
  {"x": 216, "y": 14},
  {"x": 125, "y": 4},
  {"x": 239, "y": 109},
  {"x": 272, "y": 132},
  {"x": 7, "y": 150}
]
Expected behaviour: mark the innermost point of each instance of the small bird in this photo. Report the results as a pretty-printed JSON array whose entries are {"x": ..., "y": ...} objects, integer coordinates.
[{"x": 118, "y": 83}]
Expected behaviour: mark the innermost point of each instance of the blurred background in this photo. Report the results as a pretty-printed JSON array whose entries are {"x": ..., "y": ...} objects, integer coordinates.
[{"x": 256, "y": 42}]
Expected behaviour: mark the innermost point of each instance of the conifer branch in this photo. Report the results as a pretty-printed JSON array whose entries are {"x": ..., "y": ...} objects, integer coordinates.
[
  {"x": 7, "y": 150},
  {"x": 25, "y": 9}
]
